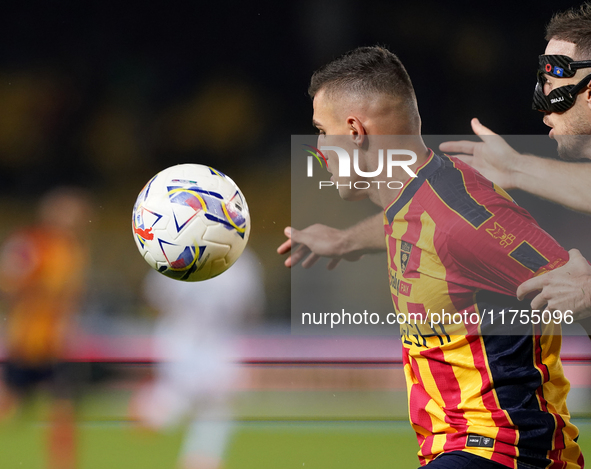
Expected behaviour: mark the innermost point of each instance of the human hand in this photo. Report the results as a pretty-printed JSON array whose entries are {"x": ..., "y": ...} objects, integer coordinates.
[
  {"x": 494, "y": 158},
  {"x": 565, "y": 288},
  {"x": 314, "y": 242}
]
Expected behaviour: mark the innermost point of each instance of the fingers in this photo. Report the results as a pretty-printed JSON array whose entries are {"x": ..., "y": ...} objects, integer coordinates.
[
  {"x": 310, "y": 261},
  {"x": 480, "y": 129},
  {"x": 296, "y": 256},
  {"x": 332, "y": 264},
  {"x": 300, "y": 252},
  {"x": 529, "y": 286},
  {"x": 574, "y": 254},
  {"x": 285, "y": 247},
  {"x": 462, "y": 146},
  {"x": 539, "y": 302},
  {"x": 297, "y": 235}
]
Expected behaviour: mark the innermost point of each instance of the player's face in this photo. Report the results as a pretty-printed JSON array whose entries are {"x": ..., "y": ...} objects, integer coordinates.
[
  {"x": 333, "y": 130},
  {"x": 569, "y": 128}
]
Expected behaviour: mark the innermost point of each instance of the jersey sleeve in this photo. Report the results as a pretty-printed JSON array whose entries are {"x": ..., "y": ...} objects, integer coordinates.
[{"x": 507, "y": 249}]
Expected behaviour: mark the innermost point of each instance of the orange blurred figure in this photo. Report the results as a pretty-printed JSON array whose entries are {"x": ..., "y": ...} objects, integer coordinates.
[{"x": 42, "y": 277}]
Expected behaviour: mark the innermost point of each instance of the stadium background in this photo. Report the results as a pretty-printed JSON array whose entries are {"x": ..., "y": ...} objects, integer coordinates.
[{"x": 104, "y": 95}]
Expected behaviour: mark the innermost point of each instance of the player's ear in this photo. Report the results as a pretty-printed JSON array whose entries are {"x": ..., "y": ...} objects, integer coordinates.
[
  {"x": 587, "y": 95},
  {"x": 356, "y": 130}
]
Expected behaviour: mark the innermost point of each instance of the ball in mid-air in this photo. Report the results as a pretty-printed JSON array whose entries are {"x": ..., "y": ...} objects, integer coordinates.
[{"x": 190, "y": 222}]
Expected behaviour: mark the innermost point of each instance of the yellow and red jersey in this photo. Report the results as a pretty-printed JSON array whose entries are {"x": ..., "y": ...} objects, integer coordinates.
[
  {"x": 458, "y": 243},
  {"x": 42, "y": 273}
]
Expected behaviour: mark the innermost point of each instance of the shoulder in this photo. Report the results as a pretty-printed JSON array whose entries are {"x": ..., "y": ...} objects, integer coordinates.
[
  {"x": 453, "y": 194},
  {"x": 456, "y": 179},
  {"x": 456, "y": 191}
]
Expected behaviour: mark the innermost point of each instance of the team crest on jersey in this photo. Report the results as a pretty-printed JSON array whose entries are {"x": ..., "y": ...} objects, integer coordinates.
[{"x": 405, "y": 249}]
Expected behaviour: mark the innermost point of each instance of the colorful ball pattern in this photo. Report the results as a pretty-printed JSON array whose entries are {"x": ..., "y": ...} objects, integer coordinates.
[{"x": 190, "y": 222}]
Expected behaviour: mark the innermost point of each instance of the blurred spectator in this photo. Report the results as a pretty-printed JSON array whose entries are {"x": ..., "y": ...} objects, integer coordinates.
[
  {"x": 42, "y": 275},
  {"x": 195, "y": 341}
]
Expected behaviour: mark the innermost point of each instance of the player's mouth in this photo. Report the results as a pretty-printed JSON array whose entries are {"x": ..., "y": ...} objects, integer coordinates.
[{"x": 551, "y": 133}]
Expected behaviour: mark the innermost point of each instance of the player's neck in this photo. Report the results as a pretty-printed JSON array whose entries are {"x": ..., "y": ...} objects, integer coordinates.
[{"x": 386, "y": 193}]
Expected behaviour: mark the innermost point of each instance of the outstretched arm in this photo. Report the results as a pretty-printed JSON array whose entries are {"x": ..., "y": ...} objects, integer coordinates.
[
  {"x": 500, "y": 163},
  {"x": 316, "y": 241}
]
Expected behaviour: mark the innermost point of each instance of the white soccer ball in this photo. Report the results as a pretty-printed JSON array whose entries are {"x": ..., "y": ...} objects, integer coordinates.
[{"x": 190, "y": 222}]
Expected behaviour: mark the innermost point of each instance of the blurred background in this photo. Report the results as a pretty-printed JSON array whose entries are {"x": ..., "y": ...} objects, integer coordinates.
[{"x": 103, "y": 95}]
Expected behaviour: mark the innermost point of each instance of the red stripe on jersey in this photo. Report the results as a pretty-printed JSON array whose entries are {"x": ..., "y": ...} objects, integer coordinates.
[
  {"x": 557, "y": 464},
  {"x": 556, "y": 457},
  {"x": 538, "y": 357},
  {"x": 391, "y": 243},
  {"x": 461, "y": 298},
  {"x": 418, "y": 310},
  {"x": 395, "y": 301},
  {"x": 502, "y": 458},
  {"x": 421, "y": 417},
  {"x": 559, "y": 442},
  {"x": 392, "y": 251},
  {"x": 418, "y": 400},
  {"x": 449, "y": 389}
]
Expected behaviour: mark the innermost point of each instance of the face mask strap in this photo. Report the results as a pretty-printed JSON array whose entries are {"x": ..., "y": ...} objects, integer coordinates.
[
  {"x": 580, "y": 85},
  {"x": 580, "y": 64},
  {"x": 561, "y": 66}
]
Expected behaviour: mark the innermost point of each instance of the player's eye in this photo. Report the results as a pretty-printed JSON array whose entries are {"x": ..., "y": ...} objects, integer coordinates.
[
  {"x": 320, "y": 132},
  {"x": 547, "y": 86},
  {"x": 548, "y": 81}
]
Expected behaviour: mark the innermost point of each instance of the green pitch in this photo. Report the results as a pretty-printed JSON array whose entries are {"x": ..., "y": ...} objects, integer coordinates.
[
  {"x": 307, "y": 445},
  {"x": 107, "y": 441},
  {"x": 272, "y": 445}
]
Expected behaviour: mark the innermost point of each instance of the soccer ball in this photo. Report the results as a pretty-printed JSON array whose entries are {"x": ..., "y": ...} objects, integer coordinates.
[{"x": 190, "y": 222}]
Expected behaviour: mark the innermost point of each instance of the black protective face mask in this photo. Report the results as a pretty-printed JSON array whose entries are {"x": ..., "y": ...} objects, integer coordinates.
[{"x": 563, "y": 98}]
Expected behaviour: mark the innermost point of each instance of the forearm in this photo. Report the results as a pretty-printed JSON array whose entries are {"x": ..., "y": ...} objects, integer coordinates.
[
  {"x": 559, "y": 181},
  {"x": 366, "y": 236},
  {"x": 317, "y": 241}
]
